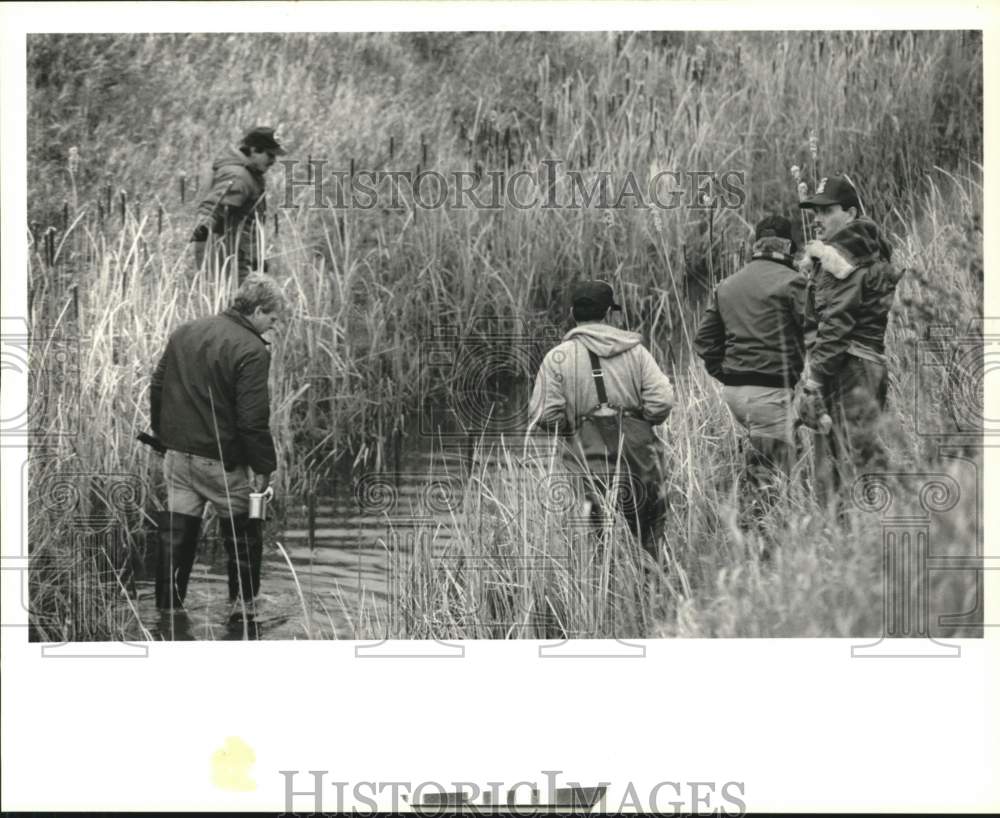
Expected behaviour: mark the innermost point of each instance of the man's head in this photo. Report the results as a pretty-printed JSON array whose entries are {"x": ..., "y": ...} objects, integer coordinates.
[
  {"x": 834, "y": 204},
  {"x": 773, "y": 234},
  {"x": 261, "y": 301},
  {"x": 592, "y": 301},
  {"x": 260, "y": 146}
]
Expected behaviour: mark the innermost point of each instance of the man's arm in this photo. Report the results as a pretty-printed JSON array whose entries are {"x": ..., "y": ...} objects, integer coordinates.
[
  {"x": 253, "y": 412},
  {"x": 156, "y": 393},
  {"x": 657, "y": 391},
  {"x": 710, "y": 341},
  {"x": 809, "y": 320},
  {"x": 230, "y": 192},
  {"x": 835, "y": 322},
  {"x": 547, "y": 408}
]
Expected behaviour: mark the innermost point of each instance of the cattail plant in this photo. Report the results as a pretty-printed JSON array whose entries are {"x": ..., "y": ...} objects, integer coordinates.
[
  {"x": 814, "y": 154},
  {"x": 802, "y": 191},
  {"x": 73, "y": 167},
  {"x": 707, "y": 200}
]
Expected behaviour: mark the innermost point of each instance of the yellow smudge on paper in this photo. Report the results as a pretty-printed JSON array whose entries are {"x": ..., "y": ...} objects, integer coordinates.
[{"x": 231, "y": 766}]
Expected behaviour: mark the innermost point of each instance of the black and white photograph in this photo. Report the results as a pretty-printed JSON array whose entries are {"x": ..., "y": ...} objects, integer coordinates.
[
  {"x": 597, "y": 337},
  {"x": 499, "y": 335}
]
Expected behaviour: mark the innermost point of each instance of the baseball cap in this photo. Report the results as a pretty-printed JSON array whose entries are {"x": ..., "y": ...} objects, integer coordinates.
[
  {"x": 263, "y": 139},
  {"x": 833, "y": 190},
  {"x": 596, "y": 294}
]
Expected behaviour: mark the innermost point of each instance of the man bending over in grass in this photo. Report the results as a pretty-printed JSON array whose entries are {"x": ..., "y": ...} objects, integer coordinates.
[
  {"x": 751, "y": 340},
  {"x": 852, "y": 289},
  {"x": 603, "y": 386},
  {"x": 209, "y": 406},
  {"x": 231, "y": 215}
]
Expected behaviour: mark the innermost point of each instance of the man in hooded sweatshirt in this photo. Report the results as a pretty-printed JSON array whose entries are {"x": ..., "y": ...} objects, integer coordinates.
[
  {"x": 232, "y": 213},
  {"x": 853, "y": 283},
  {"x": 603, "y": 387},
  {"x": 751, "y": 339}
]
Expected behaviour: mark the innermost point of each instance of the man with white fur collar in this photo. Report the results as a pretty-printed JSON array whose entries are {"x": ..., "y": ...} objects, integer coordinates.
[{"x": 852, "y": 290}]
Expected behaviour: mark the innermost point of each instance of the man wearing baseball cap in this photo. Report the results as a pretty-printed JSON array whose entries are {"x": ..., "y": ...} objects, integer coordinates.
[
  {"x": 751, "y": 340},
  {"x": 231, "y": 216},
  {"x": 852, "y": 286},
  {"x": 601, "y": 386}
]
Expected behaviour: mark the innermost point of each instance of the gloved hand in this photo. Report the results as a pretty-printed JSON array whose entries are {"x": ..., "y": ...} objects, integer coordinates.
[{"x": 809, "y": 406}]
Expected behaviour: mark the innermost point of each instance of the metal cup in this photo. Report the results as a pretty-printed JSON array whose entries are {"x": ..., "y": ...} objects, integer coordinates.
[{"x": 258, "y": 503}]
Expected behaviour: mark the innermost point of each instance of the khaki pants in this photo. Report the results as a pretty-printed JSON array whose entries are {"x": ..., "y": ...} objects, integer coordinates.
[
  {"x": 766, "y": 415},
  {"x": 192, "y": 481},
  {"x": 764, "y": 411}
]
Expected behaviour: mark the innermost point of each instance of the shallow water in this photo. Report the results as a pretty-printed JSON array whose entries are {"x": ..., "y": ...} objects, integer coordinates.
[{"x": 342, "y": 565}]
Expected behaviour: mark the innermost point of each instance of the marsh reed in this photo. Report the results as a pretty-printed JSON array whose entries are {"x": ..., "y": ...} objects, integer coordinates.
[{"x": 110, "y": 275}]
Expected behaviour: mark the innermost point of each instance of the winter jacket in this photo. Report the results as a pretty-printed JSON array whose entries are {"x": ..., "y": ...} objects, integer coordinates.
[
  {"x": 233, "y": 207},
  {"x": 564, "y": 388},
  {"x": 209, "y": 393},
  {"x": 851, "y": 293},
  {"x": 752, "y": 330}
]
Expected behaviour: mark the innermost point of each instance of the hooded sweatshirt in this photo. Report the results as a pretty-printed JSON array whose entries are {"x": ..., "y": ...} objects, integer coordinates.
[
  {"x": 235, "y": 197},
  {"x": 852, "y": 291},
  {"x": 564, "y": 388}
]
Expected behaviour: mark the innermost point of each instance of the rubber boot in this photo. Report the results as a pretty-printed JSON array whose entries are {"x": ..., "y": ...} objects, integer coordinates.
[
  {"x": 178, "y": 544},
  {"x": 244, "y": 554}
]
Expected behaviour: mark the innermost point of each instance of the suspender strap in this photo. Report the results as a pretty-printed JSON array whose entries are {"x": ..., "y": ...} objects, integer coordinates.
[{"x": 595, "y": 368}]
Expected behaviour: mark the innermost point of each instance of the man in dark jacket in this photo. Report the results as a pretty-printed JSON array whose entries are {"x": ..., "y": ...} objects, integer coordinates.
[
  {"x": 209, "y": 406},
  {"x": 851, "y": 293},
  {"x": 751, "y": 340},
  {"x": 231, "y": 216}
]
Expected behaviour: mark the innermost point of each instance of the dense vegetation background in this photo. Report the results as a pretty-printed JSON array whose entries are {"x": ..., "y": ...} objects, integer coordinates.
[{"x": 120, "y": 128}]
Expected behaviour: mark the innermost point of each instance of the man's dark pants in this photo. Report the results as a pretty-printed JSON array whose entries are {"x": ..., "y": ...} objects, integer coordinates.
[{"x": 855, "y": 400}]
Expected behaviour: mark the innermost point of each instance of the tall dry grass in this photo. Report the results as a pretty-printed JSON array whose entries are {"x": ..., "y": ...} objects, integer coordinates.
[{"x": 110, "y": 265}]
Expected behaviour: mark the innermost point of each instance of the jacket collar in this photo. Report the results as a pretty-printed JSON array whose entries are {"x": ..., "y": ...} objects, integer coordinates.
[
  {"x": 238, "y": 318},
  {"x": 774, "y": 255}
]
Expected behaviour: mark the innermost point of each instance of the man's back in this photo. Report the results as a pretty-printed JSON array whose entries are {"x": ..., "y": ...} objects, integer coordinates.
[
  {"x": 210, "y": 395},
  {"x": 752, "y": 331},
  {"x": 565, "y": 396},
  {"x": 565, "y": 389}
]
